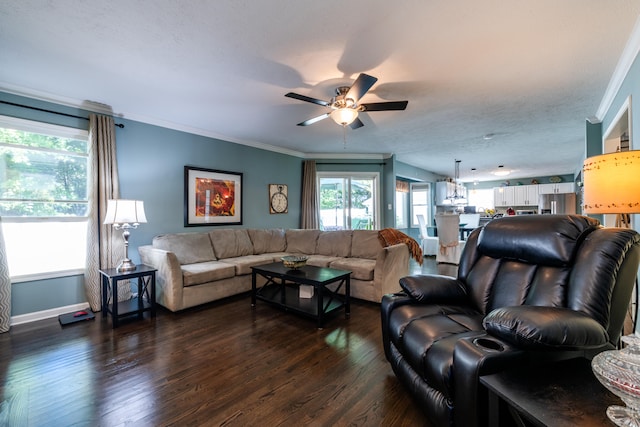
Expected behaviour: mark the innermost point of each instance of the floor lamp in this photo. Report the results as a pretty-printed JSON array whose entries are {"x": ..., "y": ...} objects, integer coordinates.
[{"x": 612, "y": 186}]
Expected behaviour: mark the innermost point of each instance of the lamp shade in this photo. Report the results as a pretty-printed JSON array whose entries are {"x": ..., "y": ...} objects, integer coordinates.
[
  {"x": 344, "y": 116},
  {"x": 612, "y": 183},
  {"x": 123, "y": 211}
]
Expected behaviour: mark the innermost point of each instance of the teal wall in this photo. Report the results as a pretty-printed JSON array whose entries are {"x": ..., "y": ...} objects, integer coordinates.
[
  {"x": 593, "y": 139},
  {"x": 630, "y": 88},
  {"x": 413, "y": 173},
  {"x": 151, "y": 162}
]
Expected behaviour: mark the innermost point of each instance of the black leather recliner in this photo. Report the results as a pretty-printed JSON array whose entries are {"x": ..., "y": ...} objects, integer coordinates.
[{"x": 530, "y": 289}]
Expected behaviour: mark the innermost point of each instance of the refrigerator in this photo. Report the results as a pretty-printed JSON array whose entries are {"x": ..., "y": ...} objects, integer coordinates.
[{"x": 560, "y": 203}]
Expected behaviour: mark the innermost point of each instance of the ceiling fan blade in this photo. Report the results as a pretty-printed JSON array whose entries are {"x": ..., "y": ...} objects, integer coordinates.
[
  {"x": 313, "y": 120},
  {"x": 362, "y": 84},
  {"x": 307, "y": 99},
  {"x": 357, "y": 123},
  {"x": 385, "y": 106}
]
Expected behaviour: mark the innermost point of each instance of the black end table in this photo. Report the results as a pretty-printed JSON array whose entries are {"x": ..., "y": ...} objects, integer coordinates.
[
  {"x": 558, "y": 394},
  {"x": 144, "y": 301}
]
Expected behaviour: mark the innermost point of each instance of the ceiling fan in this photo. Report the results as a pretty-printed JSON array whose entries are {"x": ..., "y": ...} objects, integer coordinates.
[{"x": 345, "y": 107}]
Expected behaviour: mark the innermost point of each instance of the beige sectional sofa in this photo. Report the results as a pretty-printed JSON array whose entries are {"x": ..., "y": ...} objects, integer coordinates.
[{"x": 199, "y": 267}]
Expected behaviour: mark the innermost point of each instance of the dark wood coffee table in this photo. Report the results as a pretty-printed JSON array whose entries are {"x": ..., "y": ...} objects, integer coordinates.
[{"x": 282, "y": 289}]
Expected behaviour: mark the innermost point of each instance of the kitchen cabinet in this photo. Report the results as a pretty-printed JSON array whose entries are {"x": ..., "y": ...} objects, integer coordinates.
[
  {"x": 521, "y": 195},
  {"x": 503, "y": 196},
  {"x": 525, "y": 195},
  {"x": 559, "y": 188}
]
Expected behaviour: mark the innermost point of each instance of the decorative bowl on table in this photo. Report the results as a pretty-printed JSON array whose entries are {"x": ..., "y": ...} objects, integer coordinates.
[
  {"x": 294, "y": 262},
  {"x": 619, "y": 371}
]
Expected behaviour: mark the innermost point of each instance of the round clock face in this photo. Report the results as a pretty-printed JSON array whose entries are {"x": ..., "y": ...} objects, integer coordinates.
[{"x": 279, "y": 202}]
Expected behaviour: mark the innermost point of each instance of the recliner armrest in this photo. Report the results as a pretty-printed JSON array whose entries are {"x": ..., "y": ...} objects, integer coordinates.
[
  {"x": 545, "y": 328},
  {"x": 433, "y": 288}
]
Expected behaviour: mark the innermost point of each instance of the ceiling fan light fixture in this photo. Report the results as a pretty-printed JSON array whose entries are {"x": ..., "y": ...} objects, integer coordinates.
[{"x": 344, "y": 116}]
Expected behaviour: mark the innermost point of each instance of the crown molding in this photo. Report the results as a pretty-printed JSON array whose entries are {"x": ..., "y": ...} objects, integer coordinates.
[
  {"x": 348, "y": 156},
  {"x": 100, "y": 108},
  {"x": 92, "y": 106},
  {"x": 629, "y": 54}
]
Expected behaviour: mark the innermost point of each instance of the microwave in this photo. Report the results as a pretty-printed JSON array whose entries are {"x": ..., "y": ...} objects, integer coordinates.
[{"x": 525, "y": 212}]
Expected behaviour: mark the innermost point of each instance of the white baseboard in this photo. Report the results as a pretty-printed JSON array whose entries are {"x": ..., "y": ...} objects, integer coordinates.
[{"x": 47, "y": 314}]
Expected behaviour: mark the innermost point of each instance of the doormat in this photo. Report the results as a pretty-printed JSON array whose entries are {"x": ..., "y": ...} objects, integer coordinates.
[{"x": 76, "y": 316}]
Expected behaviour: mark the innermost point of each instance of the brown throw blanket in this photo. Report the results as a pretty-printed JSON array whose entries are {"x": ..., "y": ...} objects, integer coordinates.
[{"x": 391, "y": 236}]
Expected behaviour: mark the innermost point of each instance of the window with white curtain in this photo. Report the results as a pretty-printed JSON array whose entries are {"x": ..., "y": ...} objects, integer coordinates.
[{"x": 43, "y": 198}]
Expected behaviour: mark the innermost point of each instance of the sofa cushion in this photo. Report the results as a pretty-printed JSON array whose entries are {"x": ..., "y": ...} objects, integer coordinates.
[
  {"x": 365, "y": 244},
  {"x": 243, "y": 264},
  {"x": 302, "y": 241},
  {"x": 272, "y": 240},
  {"x": 334, "y": 243},
  {"x": 321, "y": 260},
  {"x": 204, "y": 272},
  {"x": 361, "y": 269},
  {"x": 228, "y": 243},
  {"x": 189, "y": 248}
]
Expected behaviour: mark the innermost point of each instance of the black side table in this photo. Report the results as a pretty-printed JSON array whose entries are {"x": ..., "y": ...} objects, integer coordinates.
[
  {"x": 144, "y": 301},
  {"x": 561, "y": 394}
]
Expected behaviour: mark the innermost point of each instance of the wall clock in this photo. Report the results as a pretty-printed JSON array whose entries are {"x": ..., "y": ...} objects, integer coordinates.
[{"x": 278, "y": 198}]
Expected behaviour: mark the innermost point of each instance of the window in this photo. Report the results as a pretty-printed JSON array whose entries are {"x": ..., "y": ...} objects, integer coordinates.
[
  {"x": 481, "y": 198},
  {"x": 43, "y": 198},
  {"x": 420, "y": 202},
  {"x": 348, "y": 201}
]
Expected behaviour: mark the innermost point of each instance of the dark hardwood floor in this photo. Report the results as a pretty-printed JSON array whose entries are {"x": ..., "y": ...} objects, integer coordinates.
[{"x": 221, "y": 364}]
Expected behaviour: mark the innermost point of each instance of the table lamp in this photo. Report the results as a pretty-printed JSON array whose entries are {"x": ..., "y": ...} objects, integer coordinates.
[
  {"x": 125, "y": 215},
  {"x": 612, "y": 186}
]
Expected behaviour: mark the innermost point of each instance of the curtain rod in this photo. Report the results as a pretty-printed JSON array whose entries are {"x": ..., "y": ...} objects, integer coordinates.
[
  {"x": 120, "y": 125},
  {"x": 347, "y": 163}
]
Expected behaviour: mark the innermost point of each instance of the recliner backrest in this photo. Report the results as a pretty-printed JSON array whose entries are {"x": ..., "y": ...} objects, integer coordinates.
[
  {"x": 516, "y": 261},
  {"x": 550, "y": 260}
]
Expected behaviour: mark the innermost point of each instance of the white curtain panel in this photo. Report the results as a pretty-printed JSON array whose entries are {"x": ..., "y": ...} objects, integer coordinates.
[
  {"x": 309, "y": 214},
  {"x": 105, "y": 246},
  {"x": 5, "y": 286}
]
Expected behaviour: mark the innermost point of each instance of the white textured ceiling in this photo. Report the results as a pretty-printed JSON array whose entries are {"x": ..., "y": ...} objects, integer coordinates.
[{"x": 529, "y": 72}]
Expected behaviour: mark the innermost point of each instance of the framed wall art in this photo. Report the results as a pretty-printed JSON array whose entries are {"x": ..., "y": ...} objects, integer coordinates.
[
  {"x": 212, "y": 197},
  {"x": 278, "y": 198}
]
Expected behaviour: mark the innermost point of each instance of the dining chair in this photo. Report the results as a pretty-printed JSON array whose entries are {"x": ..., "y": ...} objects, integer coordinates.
[
  {"x": 429, "y": 244},
  {"x": 449, "y": 244}
]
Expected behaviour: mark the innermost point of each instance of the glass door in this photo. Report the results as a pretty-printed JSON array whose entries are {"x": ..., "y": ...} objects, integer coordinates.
[{"x": 348, "y": 201}]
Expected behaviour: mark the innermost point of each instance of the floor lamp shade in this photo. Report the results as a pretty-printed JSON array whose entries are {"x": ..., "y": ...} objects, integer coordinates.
[
  {"x": 125, "y": 215},
  {"x": 612, "y": 183},
  {"x": 612, "y": 186}
]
